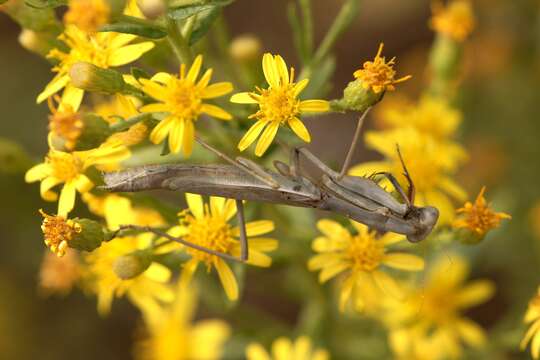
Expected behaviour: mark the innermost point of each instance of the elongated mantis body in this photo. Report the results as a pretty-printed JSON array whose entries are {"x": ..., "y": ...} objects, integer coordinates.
[{"x": 358, "y": 198}]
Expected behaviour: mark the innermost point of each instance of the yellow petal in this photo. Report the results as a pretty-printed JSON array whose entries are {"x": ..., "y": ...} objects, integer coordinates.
[
  {"x": 216, "y": 112},
  {"x": 37, "y": 172},
  {"x": 230, "y": 209},
  {"x": 176, "y": 136},
  {"x": 252, "y": 134},
  {"x": 243, "y": 98},
  {"x": 282, "y": 349},
  {"x": 300, "y": 86},
  {"x": 216, "y": 205},
  {"x": 535, "y": 346},
  {"x": 266, "y": 138},
  {"x": 162, "y": 77},
  {"x": 216, "y": 90},
  {"x": 189, "y": 138},
  {"x": 159, "y": 133},
  {"x": 121, "y": 39},
  {"x": 333, "y": 229},
  {"x": 67, "y": 199},
  {"x": 368, "y": 168},
  {"x": 391, "y": 238},
  {"x": 361, "y": 228},
  {"x": 282, "y": 70},
  {"x": 270, "y": 71},
  {"x": 158, "y": 272},
  {"x": 302, "y": 348},
  {"x": 227, "y": 279},
  {"x": 56, "y": 84},
  {"x": 255, "y": 258},
  {"x": 83, "y": 183},
  {"x": 323, "y": 244},
  {"x": 346, "y": 291},
  {"x": 452, "y": 188},
  {"x": 194, "y": 69},
  {"x": 188, "y": 270},
  {"x": 475, "y": 293},
  {"x": 155, "y": 90},
  {"x": 323, "y": 260},
  {"x": 206, "y": 339},
  {"x": 195, "y": 204},
  {"x": 205, "y": 79},
  {"x": 156, "y": 107},
  {"x": 321, "y": 355},
  {"x": 256, "y": 228},
  {"x": 256, "y": 352},
  {"x": 299, "y": 129},
  {"x": 71, "y": 96},
  {"x": 387, "y": 284},
  {"x": 129, "y": 53},
  {"x": 533, "y": 329},
  {"x": 105, "y": 154},
  {"x": 332, "y": 270},
  {"x": 471, "y": 332},
  {"x": 46, "y": 185},
  {"x": 314, "y": 106},
  {"x": 263, "y": 244},
  {"x": 402, "y": 261}
]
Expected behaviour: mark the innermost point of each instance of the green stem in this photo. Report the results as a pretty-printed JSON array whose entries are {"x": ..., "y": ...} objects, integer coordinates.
[
  {"x": 126, "y": 124},
  {"x": 178, "y": 42},
  {"x": 307, "y": 17}
]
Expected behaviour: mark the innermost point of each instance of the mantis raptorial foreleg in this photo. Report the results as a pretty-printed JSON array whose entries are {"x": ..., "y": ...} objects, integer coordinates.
[
  {"x": 244, "y": 246},
  {"x": 259, "y": 170},
  {"x": 396, "y": 185}
]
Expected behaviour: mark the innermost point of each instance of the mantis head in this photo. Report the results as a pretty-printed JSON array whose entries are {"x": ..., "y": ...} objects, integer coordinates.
[{"x": 425, "y": 218}]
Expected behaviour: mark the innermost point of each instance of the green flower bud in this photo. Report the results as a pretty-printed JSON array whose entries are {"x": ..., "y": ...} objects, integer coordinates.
[
  {"x": 356, "y": 97},
  {"x": 444, "y": 61},
  {"x": 469, "y": 237},
  {"x": 92, "y": 78},
  {"x": 95, "y": 132},
  {"x": 132, "y": 265},
  {"x": 90, "y": 235}
]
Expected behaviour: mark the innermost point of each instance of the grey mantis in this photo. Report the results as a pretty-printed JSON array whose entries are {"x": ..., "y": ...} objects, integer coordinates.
[{"x": 358, "y": 198}]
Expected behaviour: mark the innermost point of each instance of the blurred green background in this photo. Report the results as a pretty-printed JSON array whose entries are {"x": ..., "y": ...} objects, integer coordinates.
[{"x": 500, "y": 99}]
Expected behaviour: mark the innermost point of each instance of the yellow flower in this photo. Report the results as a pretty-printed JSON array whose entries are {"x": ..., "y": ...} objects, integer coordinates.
[
  {"x": 283, "y": 348},
  {"x": 58, "y": 231},
  {"x": 362, "y": 257},
  {"x": 58, "y": 275},
  {"x": 431, "y": 115},
  {"x": 87, "y": 15},
  {"x": 119, "y": 106},
  {"x": 378, "y": 74},
  {"x": 68, "y": 169},
  {"x": 182, "y": 98},
  {"x": 173, "y": 336},
  {"x": 478, "y": 217},
  {"x": 431, "y": 318},
  {"x": 431, "y": 164},
  {"x": 456, "y": 20},
  {"x": 532, "y": 317},
  {"x": 66, "y": 124},
  {"x": 207, "y": 225},
  {"x": 278, "y": 105},
  {"x": 105, "y": 50}
]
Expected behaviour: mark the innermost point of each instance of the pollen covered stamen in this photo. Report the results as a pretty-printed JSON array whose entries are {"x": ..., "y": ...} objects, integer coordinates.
[
  {"x": 185, "y": 99},
  {"x": 66, "y": 124},
  {"x": 58, "y": 231},
  {"x": 278, "y": 104},
  {"x": 365, "y": 252},
  {"x": 65, "y": 166}
]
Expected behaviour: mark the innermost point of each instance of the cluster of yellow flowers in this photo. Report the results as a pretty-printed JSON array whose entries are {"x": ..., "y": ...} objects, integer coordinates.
[{"x": 375, "y": 272}]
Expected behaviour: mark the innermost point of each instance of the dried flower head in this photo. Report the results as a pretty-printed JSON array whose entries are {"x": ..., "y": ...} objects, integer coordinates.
[{"x": 58, "y": 231}]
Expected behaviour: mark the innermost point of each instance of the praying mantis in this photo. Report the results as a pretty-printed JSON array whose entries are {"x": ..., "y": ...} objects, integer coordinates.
[{"x": 358, "y": 198}]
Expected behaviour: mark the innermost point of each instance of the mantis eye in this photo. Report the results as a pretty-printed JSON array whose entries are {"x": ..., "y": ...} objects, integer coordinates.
[{"x": 427, "y": 218}]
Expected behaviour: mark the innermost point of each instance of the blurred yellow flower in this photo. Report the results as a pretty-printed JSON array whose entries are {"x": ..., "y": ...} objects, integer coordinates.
[
  {"x": 431, "y": 318},
  {"x": 182, "y": 98},
  {"x": 362, "y": 257},
  {"x": 68, "y": 169},
  {"x": 285, "y": 349},
  {"x": 532, "y": 317},
  {"x": 431, "y": 115},
  {"x": 456, "y": 20},
  {"x": 116, "y": 107},
  {"x": 431, "y": 164},
  {"x": 378, "y": 74},
  {"x": 58, "y": 231},
  {"x": 106, "y": 49},
  {"x": 278, "y": 105},
  {"x": 59, "y": 275},
  {"x": 87, "y": 15},
  {"x": 172, "y": 336},
  {"x": 66, "y": 124},
  {"x": 478, "y": 217},
  {"x": 207, "y": 225}
]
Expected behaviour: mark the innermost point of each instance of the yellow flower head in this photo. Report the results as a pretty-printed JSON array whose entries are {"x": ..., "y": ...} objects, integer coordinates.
[
  {"x": 532, "y": 317},
  {"x": 207, "y": 225},
  {"x": 431, "y": 115},
  {"x": 455, "y": 20},
  {"x": 69, "y": 169},
  {"x": 478, "y": 217},
  {"x": 283, "y": 348},
  {"x": 87, "y": 15},
  {"x": 66, "y": 124},
  {"x": 430, "y": 163},
  {"x": 182, "y": 99},
  {"x": 362, "y": 257},
  {"x": 105, "y": 50},
  {"x": 173, "y": 336},
  {"x": 432, "y": 315},
  {"x": 119, "y": 106},
  {"x": 58, "y": 231},
  {"x": 58, "y": 275},
  {"x": 378, "y": 74},
  {"x": 278, "y": 105}
]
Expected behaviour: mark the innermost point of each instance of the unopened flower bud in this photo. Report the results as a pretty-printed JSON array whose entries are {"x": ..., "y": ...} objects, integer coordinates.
[
  {"x": 132, "y": 265},
  {"x": 152, "y": 9},
  {"x": 245, "y": 48},
  {"x": 89, "y": 77},
  {"x": 38, "y": 43},
  {"x": 90, "y": 236},
  {"x": 356, "y": 97}
]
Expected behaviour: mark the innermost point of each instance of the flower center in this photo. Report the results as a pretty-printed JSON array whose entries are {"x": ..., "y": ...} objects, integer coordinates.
[
  {"x": 278, "y": 104},
  {"x": 365, "y": 252},
  {"x": 65, "y": 166},
  {"x": 377, "y": 73},
  {"x": 58, "y": 232},
  {"x": 87, "y": 15},
  {"x": 212, "y": 232},
  {"x": 439, "y": 306},
  {"x": 185, "y": 99}
]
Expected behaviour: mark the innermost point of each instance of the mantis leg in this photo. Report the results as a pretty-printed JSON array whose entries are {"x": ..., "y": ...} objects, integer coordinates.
[
  {"x": 259, "y": 170},
  {"x": 259, "y": 173},
  {"x": 412, "y": 189},
  {"x": 354, "y": 142},
  {"x": 244, "y": 246},
  {"x": 295, "y": 160},
  {"x": 396, "y": 185},
  {"x": 187, "y": 243}
]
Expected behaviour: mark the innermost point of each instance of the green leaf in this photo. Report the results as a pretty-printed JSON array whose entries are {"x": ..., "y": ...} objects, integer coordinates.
[
  {"x": 135, "y": 26},
  {"x": 183, "y": 12},
  {"x": 45, "y": 4},
  {"x": 204, "y": 25},
  {"x": 139, "y": 73}
]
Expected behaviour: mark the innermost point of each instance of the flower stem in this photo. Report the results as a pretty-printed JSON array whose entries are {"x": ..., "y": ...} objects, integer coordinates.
[{"x": 178, "y": 42}]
